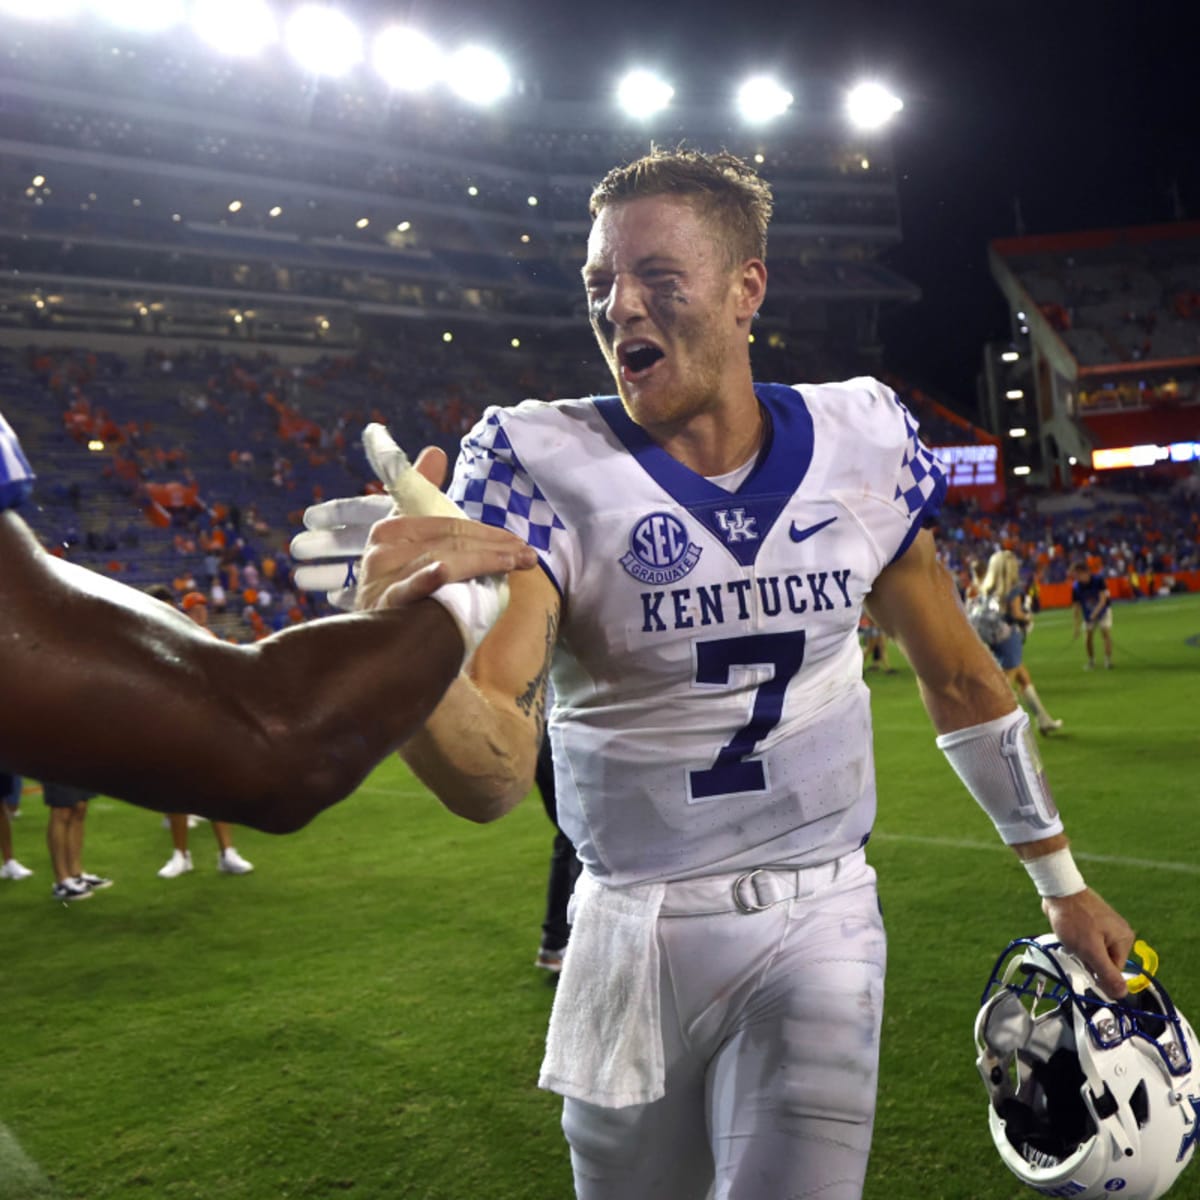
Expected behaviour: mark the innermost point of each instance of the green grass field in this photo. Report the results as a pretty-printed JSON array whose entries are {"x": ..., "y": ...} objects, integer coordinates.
[{"x": 361, "y": 1016}]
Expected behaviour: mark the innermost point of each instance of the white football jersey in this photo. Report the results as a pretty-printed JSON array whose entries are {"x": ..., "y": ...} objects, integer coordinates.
[
  {"x": 16, "y": 475},
  {"x": 710, "y": 710}
]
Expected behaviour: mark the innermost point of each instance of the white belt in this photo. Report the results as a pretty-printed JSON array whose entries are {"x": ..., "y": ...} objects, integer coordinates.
[{"x": 757, "y": 889}]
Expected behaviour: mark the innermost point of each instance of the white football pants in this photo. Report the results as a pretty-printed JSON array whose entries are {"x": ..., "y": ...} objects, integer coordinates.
[{"x": 770, "y": 1025}]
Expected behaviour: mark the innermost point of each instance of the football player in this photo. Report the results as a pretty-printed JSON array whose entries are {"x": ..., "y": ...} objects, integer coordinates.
[
  {"x": 708, "y": 545},
  {"x": 112, "y": 690}
]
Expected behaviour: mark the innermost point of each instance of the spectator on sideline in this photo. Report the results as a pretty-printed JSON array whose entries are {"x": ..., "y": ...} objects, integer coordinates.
[
  {"x": 298, "y": 718},
  {"x": 875, "y": 646},
  {"x": 1002, "y": 582},
  {"x": 10, "y": 785},
  {"x": 12, "y": 801},
  {"x": 1092, "y": 606},
  {"x": 229, "y": 861},
  {"x": 564, "y": 872},
  {"x": 64, "y": 838}
]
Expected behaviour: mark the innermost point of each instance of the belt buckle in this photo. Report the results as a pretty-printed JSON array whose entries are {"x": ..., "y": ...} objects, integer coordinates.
[{"x": 743, "y": 887}]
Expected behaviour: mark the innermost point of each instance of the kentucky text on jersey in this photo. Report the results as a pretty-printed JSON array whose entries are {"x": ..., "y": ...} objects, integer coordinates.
[{"x": 714, "y": 604}]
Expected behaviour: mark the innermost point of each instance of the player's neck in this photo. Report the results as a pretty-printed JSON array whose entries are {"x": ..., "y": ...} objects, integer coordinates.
[{"x": 718, "y": 440}]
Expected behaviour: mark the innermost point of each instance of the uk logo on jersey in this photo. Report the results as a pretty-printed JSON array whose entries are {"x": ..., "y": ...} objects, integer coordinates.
[
  {"x": 736, "y": 526},
  {"x": 660, "y": 550}
]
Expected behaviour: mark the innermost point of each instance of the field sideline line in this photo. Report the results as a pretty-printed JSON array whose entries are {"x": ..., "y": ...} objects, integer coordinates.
[
  {"x": 1116, "y": 860},
  {"x": 19, "y": 1172}
]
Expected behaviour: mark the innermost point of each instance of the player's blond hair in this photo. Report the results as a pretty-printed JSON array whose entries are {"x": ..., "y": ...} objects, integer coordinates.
[{"x": 726, "y": 190}]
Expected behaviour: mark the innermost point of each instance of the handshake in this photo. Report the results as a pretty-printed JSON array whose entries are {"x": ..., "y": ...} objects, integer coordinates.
[{"x": 372, "y": 552}]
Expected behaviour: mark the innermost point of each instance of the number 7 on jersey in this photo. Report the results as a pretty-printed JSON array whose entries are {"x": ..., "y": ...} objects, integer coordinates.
[{"x": 733, "y": 770}]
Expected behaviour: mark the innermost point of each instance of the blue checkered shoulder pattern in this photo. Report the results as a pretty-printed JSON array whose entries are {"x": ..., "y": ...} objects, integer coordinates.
[
  {"x": 491, "y": 485},
  {"x": 921, "y": 485},
  {"x": 16, "y": 475}
]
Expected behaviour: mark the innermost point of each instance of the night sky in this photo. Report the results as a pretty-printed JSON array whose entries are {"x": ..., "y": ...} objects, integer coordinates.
[{"x": 1088, "y": 113}]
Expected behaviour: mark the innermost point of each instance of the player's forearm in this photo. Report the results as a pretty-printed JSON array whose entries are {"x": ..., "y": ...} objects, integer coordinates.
[
  {"x": 976, "y": 693},
  {"x": 343, "y": 693},
  {"x": 477, "y": 758}
]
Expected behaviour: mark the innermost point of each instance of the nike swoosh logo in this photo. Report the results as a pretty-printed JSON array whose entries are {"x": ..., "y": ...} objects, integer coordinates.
[{"x": 800, "y": 535}]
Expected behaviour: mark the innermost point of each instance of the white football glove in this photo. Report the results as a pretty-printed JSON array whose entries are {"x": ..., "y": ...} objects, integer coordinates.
[
  {"x": 343, "y": 526},
  {"x": 332, "y": 544}
]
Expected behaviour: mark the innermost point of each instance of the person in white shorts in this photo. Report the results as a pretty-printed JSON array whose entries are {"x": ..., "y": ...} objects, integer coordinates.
[
  {"x": 707, "y": 546},
  {"x": 1091, "y": 605}
]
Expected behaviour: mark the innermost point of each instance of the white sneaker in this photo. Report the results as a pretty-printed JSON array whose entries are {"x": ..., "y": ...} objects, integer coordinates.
[
  {"x": 232, "y": 863},
  {"x": 13, "y": 870},
  {"x": 1050, "y": 726},
  {"x": 180, "y": 863},
  {"x": 195, "y": 821}
]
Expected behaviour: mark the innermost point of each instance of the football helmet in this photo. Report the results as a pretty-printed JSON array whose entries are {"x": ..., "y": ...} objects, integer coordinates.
[{"x": 1088, "y": 1097}]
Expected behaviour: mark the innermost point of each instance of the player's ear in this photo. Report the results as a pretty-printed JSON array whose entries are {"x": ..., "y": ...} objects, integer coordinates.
[{"x": 752, "y": 288}]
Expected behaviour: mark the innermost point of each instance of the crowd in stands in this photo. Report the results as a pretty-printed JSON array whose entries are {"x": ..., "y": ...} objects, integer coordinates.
[
  {"x": 1146, "y": 538},
  {"x": 205, "y": 462},
  {"x": 1142, "y": 306}
]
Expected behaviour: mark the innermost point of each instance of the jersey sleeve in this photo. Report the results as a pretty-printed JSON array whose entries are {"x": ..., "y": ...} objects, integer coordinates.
[
  {"x": 492, "y": 485},
  {"x": 16, "y": 475},
  {"x": 920, "y": 478},
  {"x": 884, "y": 472}
]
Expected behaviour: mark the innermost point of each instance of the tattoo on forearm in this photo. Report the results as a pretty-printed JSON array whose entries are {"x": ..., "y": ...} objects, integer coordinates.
[{"x": 532, "y": 701}]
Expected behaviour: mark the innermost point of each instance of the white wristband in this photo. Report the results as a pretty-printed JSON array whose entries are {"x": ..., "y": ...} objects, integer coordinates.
[
  {"x": 1055, "y": 874},
  {"x": 475, "y": 605}
]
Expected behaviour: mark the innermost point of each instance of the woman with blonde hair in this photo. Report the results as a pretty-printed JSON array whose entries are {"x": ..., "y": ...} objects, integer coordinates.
[{"x": 1001, "y": 585}]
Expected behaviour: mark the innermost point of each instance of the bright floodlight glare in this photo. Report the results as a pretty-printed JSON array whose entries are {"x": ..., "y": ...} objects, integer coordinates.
[
  {"x": 323, "y": 40},
  {"x": 761, "y": 98},
  {"x": 142, "y": 16},
  {"x": 478, "y": 75},
  {"x": 871, "y": 105},
  {"x": 239, "y": 28},
  {"x": 642, "y": 93},
  {"x": 406, "y": 60},
  {"x": 41, "y": 10}
]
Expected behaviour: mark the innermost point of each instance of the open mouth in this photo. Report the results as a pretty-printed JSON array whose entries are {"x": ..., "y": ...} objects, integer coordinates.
[{"x": 637, "y": 358}]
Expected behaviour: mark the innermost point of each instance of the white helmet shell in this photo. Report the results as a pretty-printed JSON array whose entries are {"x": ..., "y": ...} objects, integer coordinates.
[{"x": 1089, "y": 1097}]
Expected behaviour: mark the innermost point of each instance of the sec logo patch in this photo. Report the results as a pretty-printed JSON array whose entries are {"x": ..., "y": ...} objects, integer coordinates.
[{"x": 660, "y": 550}]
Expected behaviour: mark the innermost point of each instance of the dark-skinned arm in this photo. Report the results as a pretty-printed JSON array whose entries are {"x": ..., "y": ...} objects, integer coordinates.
[{"x": 109, "y": 689}]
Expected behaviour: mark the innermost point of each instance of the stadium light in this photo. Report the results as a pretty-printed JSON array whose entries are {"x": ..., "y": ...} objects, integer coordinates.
[
  {"x": 478, "y": 75},
  {"x": 323, "y": 40},
  {"x": 1021, "y": 470},
  {"x": 141, "y": 16},
  {"x": 761, "y": 98},
  {"x": 1010, "y": 356},
  {"x": 871, "y": 106},
  {"x": 41, "y": 10},
  {"x": 1015, "y": 394},
  {"x": 642, "y": 93},
  {"x": 406, "y": 60},
  {"x": 239, "y": 28},
  {"x": 1017, "y": 432}
]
